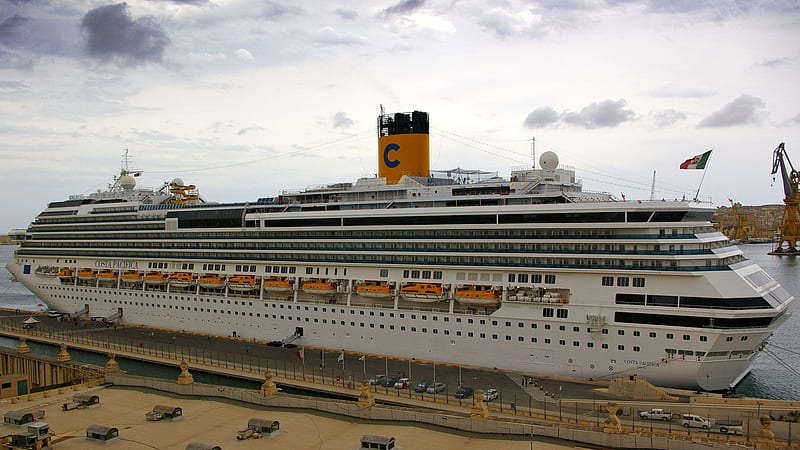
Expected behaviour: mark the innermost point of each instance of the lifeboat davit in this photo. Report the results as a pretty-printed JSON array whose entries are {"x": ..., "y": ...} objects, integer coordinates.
[
  {"x": 374, "y": 289},
  {"x": 423, "y": 292},
  {"x": 242, "y": 283},
  {"x": 181, "y": 279},
  {"x": 277, "y": 284},
  {"x": 155, "y": 279},
  {"x": 131, "y": 277},
  {"x": 318, "y": 287},
  {"x": 107, "y": 277},
  {"x": 87, "y": 274},
  {"x": 476, "y": 295},
  {"x": 211, "y": 281}
]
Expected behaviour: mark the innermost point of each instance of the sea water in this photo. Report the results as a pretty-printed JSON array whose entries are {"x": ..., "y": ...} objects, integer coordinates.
[{"x": 774, "y": 374}]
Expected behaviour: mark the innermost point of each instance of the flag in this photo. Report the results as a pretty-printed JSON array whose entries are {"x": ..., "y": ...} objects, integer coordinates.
[
  {"x": 363, "y": 357},
  {"x": 301, "y": 353},
  {"x": 341, "y": 357},
  {"x": 697, "y": 162}
]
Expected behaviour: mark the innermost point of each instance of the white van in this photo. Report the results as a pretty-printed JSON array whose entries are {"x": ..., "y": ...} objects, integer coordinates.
[{"x": 695, "y": 421}]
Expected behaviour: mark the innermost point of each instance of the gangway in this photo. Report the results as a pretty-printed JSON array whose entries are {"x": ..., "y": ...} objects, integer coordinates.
[
  {"x": 114, "y": 317},
  {"x": 82, "y": 312},
  {"x": 298, "y": 333}
]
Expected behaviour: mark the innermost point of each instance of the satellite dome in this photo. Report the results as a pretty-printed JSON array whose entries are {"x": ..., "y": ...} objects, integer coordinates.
[
  {"x": 548, "y": 161},
  {"x": 177, "y": 182},
  {"x": 127, "y": 182}
]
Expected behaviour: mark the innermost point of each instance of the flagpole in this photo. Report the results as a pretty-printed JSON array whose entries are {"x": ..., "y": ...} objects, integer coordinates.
[{"x": 705, "y": 169}]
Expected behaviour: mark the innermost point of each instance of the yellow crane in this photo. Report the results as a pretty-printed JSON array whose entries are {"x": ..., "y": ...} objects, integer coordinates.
[
  {"x": 742, "y": 227},
  {"x": 790, "y": 225}
]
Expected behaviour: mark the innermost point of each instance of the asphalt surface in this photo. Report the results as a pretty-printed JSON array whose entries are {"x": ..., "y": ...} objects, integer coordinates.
[{"x": 523, "y": 389}]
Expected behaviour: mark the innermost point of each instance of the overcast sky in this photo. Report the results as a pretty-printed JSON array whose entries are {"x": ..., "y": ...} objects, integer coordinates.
[{"x": 249, "y": 98}]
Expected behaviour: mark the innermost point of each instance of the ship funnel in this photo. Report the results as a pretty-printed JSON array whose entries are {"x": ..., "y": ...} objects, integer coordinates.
[{"x": 403, "y": 145}]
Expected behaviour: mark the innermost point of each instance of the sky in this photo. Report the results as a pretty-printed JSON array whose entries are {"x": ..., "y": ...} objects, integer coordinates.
[{"x": 247, "y": 99}]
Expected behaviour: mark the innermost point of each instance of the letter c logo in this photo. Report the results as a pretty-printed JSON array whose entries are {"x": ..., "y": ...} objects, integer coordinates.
[{"x": 390, "y": 163}]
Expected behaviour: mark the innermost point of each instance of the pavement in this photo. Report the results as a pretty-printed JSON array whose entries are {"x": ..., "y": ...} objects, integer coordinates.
[{"x": 216, "y": 423}]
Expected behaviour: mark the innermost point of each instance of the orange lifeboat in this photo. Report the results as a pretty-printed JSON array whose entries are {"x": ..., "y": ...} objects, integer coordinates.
[
  {"x": 87, "y": 274},
  {"x": 477, "y": 295},
  {"x": 181, "y": 279},
  {"x": 374, "y": 289},
  {"x": 155, "y": 279},
  {"x": 131, "y": 277},
  {"x": 242, "y": 283},
  {"x": 316, "y": 286},
  {"x": 423, "y": 292},
  {"x": 277, "y": 284},
  {"x": 66, "y": 274},
  {"x": 107, "y": 277},
  {"x": 211, "y": 281}
]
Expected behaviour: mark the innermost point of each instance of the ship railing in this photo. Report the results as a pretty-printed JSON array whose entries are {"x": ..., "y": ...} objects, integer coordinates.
[{"x": 532, "y": 299}]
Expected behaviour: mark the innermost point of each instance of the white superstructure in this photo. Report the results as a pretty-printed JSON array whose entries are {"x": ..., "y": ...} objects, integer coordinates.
[{"x": 529, "y": 273}]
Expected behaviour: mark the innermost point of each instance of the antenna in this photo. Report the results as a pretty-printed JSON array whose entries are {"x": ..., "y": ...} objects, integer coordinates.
[
  {"x": 126, "y": 159},
  {"x": 533, "y": 151},
  {"x": 653, "y": 188}
]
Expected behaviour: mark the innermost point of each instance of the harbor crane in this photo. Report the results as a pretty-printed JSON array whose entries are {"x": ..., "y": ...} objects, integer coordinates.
[{"x": 790, "y": 225}]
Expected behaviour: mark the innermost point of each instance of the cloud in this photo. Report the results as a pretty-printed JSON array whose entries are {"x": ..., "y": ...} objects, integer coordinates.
[
  {"x": 672, "y": 90},
  {"x": 329, "y": 36},
  {"x": 777, "y": 62},
  {"x": 506, "y": 23},
  {"x": 113, "y": 35},
  {"x": 541, "y": 117},
  {"x": 12, "y": 86},
  {"x": 11, "y": 30},
  {"x": 404, "y": 7},
  {"x": 666, "y": 117},
  {"x": 744, "y": 110},
  {"x": 244, "y": 55},
  {"x": 274, "y": 11},
  {"x": 347, "y": 14},
  {"x": 340, "y": 120},
  {"x": 605, "y": 114}
]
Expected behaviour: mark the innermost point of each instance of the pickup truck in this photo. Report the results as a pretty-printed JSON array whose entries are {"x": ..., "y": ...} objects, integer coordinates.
[
  {"x": 656, "y": 414},
  {"x": 695, "y": 421}
]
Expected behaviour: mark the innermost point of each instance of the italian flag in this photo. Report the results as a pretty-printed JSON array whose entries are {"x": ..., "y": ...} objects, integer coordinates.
[{"x": 697, "y": 162}]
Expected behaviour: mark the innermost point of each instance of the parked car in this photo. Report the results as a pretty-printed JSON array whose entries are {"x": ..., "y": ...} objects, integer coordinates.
[
  {"x": 423, "y": 386},
  {"x": 390, "y": 381},
  {"x": 656, "y": 414},
  {"x": 695, "y": 421},
  {"x": 490, "y": 394},
  {"x": 436, "y": 387},
  {"x": 463, "y": 392},
  {"x": 377, "y": 379},
  {"x": 403, "y": 383},
  {"x": 729, "y": 426}
]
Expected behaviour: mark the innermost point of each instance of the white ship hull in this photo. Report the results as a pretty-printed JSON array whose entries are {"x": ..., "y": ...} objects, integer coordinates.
[{"x": 505, "y": 350}]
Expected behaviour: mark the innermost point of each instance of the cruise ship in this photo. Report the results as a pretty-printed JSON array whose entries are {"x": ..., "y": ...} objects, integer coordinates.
[{"x": 529, "y": 273}]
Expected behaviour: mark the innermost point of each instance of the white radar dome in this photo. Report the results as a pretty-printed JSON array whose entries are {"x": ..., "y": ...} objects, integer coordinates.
[
  {"x": 127, "y": 182},
  {"x": 177, "y": 182},
  {"x": 548, "y": 161}
]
